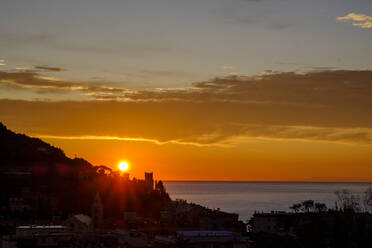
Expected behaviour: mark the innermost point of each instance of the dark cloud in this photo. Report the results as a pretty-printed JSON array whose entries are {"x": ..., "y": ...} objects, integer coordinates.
[
  {"x": 45, "y": 84},
  {"x": 32, "y": 79},
  {"x": 48, "y": 68},
  {"x": 333, "y": 106},
  {"x": 277, "y": 25},
  {"x": 323, "y": 68}
]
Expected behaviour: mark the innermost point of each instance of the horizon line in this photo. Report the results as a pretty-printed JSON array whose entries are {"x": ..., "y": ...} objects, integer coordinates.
[{"x": 262, "y": 181}]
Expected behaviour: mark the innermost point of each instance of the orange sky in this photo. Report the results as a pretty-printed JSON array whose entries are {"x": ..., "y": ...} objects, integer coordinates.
[
  {"x": 315, "y": 126},
  {"x": 195, "y": 90},
  {"x": 265, "y": 160}
]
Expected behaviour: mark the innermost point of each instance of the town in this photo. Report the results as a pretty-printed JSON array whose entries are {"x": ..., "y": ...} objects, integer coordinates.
[
  {"x": 50, "y": 200},
  {"x": 33, "y": 219}
]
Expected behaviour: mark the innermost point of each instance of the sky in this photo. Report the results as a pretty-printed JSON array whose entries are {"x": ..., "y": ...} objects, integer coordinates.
[{"x": 260, "y": 90}]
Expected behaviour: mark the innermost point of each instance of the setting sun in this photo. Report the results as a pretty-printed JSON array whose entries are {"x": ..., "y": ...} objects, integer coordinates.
[{"x": 123, "y": 166}]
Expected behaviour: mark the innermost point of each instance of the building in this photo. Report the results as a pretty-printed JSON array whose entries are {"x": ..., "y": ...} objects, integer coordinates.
[
  {"x": 29, "y": 230},
  {"x": 149, "y": 180},
  {"x": 218, "y": 220},
  {"x": 276, "y": 222},
  {"x": 39, "y": 236},
  {"x": 125, "y": 176},
  {"x": 203, "y": 239},
  {"x": 132, "y": 239},
  {"x": 79, "y": 224},
  {"x": 18, "y": 204},
  {"x": 130, "y": 216}
]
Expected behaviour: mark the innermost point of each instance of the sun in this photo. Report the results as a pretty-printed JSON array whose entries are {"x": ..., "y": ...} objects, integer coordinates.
[{"x": 123, "y": 166}]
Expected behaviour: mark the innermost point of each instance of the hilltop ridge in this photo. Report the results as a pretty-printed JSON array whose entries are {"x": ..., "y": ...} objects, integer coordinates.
[
  {"x": 21, "y": 150},
  {"x": 50, "y": 183}
]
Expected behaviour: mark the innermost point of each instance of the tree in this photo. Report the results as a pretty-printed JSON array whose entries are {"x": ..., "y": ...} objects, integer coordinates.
[
  {"x": 296, "y": 207},
  {"x": 320, "y": 207},
  {"x": 160, "y": 187},
  {"x": 367, "y": 200},
  {"x": 347, "y": 201},
  {"x": 307, "y": 205}
]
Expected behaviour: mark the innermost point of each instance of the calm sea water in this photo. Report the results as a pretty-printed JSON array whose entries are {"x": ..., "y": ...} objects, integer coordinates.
[{"x": 246, "y": 197}]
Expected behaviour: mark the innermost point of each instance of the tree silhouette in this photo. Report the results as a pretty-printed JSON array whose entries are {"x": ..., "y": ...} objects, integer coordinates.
[
  {"x": 320, "y": 207},
  {"x": 367, "y": 200},
  {"x": 296, "y": 207},
  {"x": 348, "y": 201},
  {"x": 308, "y": 205}
]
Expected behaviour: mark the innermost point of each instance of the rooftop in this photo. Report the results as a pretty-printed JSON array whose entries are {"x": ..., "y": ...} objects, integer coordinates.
[
  {"x": 41, "y": 227},
  {"x": 204, "y": 233},
  {"x": 83, "y": 218}
]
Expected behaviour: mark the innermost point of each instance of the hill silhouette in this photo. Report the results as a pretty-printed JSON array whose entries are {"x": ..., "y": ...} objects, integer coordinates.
[
  {"x": 50, "y": 183},
  {"x": 19, "y": 150}
]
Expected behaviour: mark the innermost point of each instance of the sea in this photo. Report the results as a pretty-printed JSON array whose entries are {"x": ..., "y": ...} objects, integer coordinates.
[{"x": 245, "y": 198}]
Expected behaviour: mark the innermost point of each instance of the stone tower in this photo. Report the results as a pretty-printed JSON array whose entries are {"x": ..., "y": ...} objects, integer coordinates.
[{"x": 149, "y": 180}]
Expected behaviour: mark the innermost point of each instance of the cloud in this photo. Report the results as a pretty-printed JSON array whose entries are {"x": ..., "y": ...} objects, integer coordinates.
[
  {"x": 126, "y": 139},
  {"x": 33, "y": 80},
  {"x": 358, "y": 20},
  {"x": 185, "y": 123},
  {"x": 48, "y": 68},
  {"x": 310, "y": 89},
  {"x": 363, "y": 24},
  {"x": 355, "y": 17},
  {"x": 158, "y": 73},
  {"x": 329, "y": 106},
  {"x": 269, "y": 72},
  {"x": 22, "y": 69}
]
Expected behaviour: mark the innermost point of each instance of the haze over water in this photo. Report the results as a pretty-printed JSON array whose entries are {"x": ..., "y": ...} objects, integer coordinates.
[{"x": 245, "y": 198}]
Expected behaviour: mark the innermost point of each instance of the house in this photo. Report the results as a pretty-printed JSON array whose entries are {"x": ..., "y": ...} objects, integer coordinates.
[
  {"x": 79, "y": 224},
  {"x": 39, "y": 236},
  {"x": 29, "y": 230},
  {"x": 277, "y": 222},
  {"x": 218, "y": 220}
]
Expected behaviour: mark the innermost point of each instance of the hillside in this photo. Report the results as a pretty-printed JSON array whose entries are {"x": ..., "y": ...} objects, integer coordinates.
[
  {"x": 20, "y": 152},
  {"x": 45, "y": 182}
]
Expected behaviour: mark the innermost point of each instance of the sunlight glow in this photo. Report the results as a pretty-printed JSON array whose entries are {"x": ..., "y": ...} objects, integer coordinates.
[{"x": 123, "y": 166}]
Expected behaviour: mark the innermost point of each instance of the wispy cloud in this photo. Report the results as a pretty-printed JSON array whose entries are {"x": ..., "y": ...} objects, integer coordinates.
[
  {"x": 154, "y": 141},
  {"x": 33, "y": 80},
  {"x": 358, "y": 20},
  {"x": 49, "y": 68},
  {"x": 22, "y": 68},
  {"x": 227, "y": 67},
  {"x": 205, "y": 133}
]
